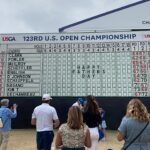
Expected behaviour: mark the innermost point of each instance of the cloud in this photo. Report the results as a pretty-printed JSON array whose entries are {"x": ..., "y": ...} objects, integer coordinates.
[{"x": 38, "y": 16}]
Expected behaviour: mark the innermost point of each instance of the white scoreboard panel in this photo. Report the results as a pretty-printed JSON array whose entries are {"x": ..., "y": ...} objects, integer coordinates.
[{"x": 75, "y": 64}]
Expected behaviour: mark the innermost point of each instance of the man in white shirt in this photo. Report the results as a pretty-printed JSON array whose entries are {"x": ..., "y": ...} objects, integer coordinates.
[{"x": 45, "y": 118}]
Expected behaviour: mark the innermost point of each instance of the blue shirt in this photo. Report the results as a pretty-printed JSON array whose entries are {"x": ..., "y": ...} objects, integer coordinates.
[{"x": 6, "y": 115}]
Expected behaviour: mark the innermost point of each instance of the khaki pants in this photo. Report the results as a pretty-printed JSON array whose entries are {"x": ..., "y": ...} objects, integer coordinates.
[{"x": 4, "y": 136}]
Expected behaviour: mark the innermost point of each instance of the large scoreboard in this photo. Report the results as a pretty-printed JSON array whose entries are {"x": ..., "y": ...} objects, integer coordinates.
[{"x": 75, "y": 64}]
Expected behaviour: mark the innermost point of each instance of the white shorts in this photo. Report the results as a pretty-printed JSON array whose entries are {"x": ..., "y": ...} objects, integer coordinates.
[{"x": 94, "y": 133}]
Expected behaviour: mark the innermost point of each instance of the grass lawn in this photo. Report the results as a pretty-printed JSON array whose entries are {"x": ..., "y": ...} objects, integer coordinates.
[{"x": 24, "y": 139}]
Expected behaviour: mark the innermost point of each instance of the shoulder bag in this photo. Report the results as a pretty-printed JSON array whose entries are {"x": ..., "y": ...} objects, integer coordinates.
[
  {"x": 1, "y": 123},
  {"x": 1, "y": 120}
]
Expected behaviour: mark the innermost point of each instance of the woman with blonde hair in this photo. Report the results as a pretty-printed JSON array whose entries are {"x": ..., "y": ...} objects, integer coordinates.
[
  {"x": 73, "y": 135},
  {"x": 135, "y": 128},
  {"x": 92, "y": 118}
]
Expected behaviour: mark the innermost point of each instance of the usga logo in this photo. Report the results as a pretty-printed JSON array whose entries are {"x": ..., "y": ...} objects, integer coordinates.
[{"x": 8, "y": 38}]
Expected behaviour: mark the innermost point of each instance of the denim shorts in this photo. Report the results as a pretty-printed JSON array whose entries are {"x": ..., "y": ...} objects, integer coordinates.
[{"x": 44, "y": 140}]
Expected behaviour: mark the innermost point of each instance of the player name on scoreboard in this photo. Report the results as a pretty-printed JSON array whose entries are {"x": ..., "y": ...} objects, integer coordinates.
[{"x": 74, "y": 67}]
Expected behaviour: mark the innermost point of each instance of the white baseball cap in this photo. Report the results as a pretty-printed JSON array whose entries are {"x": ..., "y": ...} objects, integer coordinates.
[{"x": 46, "y": 97}]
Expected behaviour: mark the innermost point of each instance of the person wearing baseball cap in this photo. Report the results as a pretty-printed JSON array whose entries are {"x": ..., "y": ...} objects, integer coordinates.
[
  {"x": 46, "y": 119},
  {"x": 79, "y": 103},
  {"x": 46, "y": 97}
]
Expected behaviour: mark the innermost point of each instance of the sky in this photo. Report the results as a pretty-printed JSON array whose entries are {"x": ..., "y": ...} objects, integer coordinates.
[{"x": 47, "y": 16}]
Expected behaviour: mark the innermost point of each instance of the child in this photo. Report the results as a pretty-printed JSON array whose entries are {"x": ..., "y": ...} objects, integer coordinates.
[{"x": 103, "y": 124}]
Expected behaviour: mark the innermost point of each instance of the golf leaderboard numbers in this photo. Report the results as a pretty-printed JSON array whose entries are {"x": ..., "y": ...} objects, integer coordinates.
[{"x": 75, "y": 64}]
